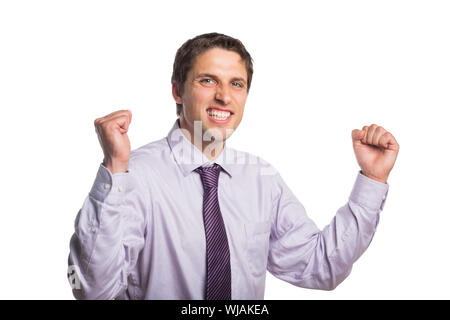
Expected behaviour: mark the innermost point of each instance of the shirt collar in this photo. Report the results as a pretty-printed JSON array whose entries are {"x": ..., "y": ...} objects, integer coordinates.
[{"x": 189, "y": 157}]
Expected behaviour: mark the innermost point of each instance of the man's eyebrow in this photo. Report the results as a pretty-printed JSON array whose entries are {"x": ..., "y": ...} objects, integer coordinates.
[{"x": 205, "y": 75}]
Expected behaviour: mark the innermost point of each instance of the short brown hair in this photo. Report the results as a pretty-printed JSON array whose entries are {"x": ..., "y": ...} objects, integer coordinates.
[{"x": 186, "y": 54}]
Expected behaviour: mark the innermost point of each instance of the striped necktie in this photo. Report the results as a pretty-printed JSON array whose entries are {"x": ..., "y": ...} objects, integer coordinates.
[{"x": 218, "y": 271}]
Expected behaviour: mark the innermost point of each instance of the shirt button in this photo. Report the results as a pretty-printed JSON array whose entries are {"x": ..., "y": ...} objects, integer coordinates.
[
  {"x": 384, "y": 197},
  {"x": 120, "y": 188},
  {"x": 93, "y": 230},
  {"x": 107, "y": 186}
]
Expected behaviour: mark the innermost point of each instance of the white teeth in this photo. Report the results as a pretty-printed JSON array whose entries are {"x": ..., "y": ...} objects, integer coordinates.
[{"x": 220, "y": 115}]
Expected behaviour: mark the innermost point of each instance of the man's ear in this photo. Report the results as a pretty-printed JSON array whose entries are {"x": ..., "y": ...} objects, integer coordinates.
[{"x": 176, "y": 94}]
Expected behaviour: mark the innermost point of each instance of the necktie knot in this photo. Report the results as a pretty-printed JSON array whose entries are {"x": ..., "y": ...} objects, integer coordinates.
[{"x": 209, "y": 175}]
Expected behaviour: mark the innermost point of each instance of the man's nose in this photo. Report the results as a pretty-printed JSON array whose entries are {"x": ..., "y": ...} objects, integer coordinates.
[{"x": 223, "y": 94}]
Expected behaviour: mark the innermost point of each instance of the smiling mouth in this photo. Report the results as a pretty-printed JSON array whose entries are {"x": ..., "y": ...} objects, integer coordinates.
[{"x": 219, "y": 114}]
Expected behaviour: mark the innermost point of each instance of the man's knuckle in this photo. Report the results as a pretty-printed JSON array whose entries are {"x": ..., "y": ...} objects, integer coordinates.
[{"x": 108, "y": 125}]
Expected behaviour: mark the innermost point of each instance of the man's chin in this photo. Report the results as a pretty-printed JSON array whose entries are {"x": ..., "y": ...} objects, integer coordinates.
[{"x": 216, "y": 134}]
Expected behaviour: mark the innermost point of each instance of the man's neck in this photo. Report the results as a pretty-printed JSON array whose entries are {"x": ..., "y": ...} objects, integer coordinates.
[{"x": 211, "y": 149}]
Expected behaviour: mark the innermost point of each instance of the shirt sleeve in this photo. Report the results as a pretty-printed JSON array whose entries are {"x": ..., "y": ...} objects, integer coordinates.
[
  {"x": 109, "y": 234},
  {"x": 305, "y": 256}
]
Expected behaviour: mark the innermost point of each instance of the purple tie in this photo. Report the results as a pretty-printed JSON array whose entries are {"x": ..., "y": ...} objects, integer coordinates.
[{"x": 218, "y": 271}]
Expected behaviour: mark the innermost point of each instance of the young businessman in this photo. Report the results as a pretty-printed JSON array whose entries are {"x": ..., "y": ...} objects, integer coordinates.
[{"x": 187, "y": 217}]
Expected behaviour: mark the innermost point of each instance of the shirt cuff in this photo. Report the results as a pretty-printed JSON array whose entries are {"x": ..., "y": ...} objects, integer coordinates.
[
  {"x": 369, "y": 192},
  {"x": 109, "y": 187}
]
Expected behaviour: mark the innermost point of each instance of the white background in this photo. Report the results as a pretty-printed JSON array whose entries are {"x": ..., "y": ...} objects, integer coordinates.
[{"x": 322, "y": 68}]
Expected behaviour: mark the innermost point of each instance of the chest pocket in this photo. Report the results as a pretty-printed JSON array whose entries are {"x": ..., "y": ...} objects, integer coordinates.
[{"x": 257, "y": 236}]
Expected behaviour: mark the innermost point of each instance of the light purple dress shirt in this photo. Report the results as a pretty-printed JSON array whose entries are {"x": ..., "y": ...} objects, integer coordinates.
[{"x": 140, "y": 234}]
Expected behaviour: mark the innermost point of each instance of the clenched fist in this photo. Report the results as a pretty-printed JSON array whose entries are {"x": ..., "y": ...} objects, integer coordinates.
[
  {"x": 376, "y": 151},
  {"x": 112, "y": 134}
]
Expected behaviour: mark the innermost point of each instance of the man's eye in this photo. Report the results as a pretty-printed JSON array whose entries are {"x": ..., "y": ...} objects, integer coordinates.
[
  {"x": 237, "y": 84},
  {"x": 207, "y": 81}
]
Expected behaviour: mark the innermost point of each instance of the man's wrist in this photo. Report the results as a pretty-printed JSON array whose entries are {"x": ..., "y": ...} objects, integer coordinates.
[
  {"x": 115, "y": 167},
  {"x": 382, "y": 180}
]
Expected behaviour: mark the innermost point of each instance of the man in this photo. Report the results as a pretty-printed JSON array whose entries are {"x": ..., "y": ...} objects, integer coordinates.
[{"x": 186, "y": 217}]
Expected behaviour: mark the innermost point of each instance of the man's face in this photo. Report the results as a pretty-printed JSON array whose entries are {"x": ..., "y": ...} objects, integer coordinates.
[{"x": 215, "y": 92}]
